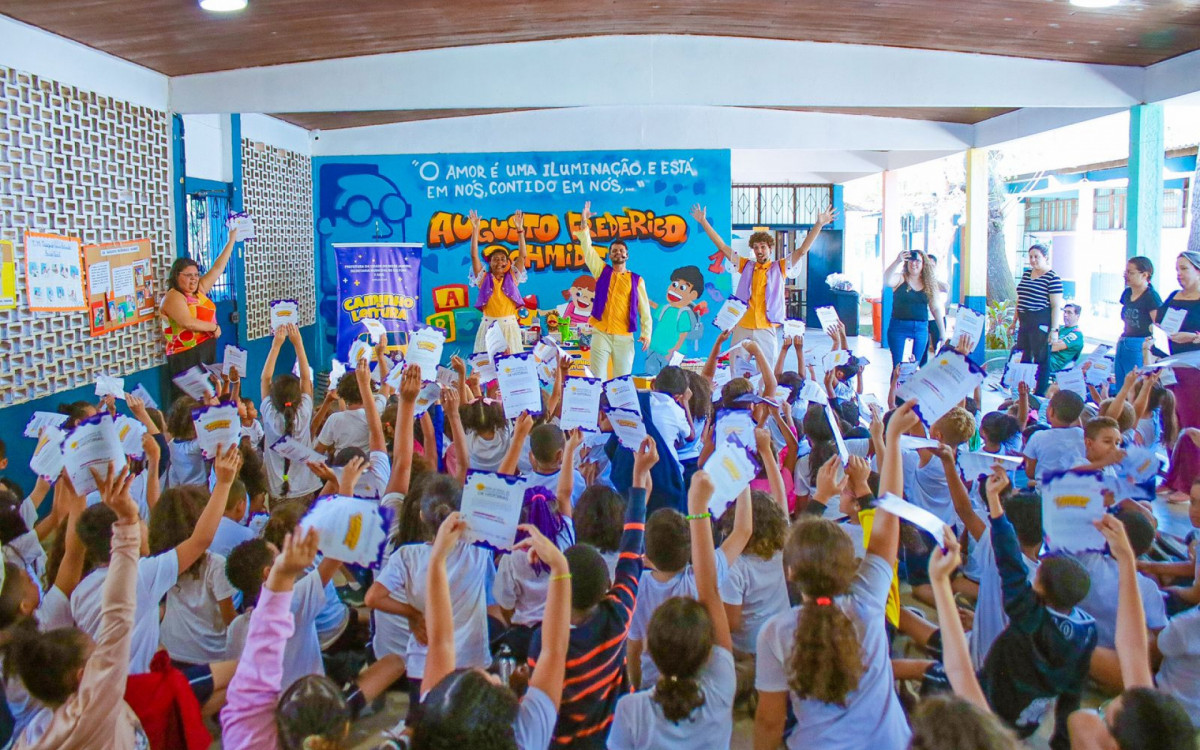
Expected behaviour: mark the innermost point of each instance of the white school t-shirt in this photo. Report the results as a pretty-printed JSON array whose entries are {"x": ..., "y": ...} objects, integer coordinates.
[
  {"x": 639, "y": 724},
  {"x": 1179, "y": 675},
  {"x": 301, "y": 481},
  {"x": 486, "y": 454},
  {"x": 521, "y": 589},
  {"x": 1101, "y": 600},
  {"x": 536, "y": 718},
  {"x": 156, "y": 576},
  {"x": 53, "y": 612},
  {"x": 302, "y": 652},
  {"x": 854, "y": 446},
  {"x": 872, "y": 717},
  {"x": 193, "y": 630},
  {"x": 651, "y": 594},
  {"x": 229, "y": 534},
  {"x": 550, "y": 482},
  {"x": 348, "y": 429},
  {"x": 187, "y": 463},
  {"x": 671, "y": 421},
  {"x": 760, "y": 587},
  {"x": 374, "y": 480},
  {"x": 471, "y": 573},
  {"x": 927, "y": 487},
  {"x": 990, "y": 618},
  {"x": 1056, "y": 449}
]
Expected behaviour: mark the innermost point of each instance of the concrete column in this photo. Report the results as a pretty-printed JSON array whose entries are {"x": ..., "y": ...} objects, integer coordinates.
[
  {"x": 1144, "y": 203},
  {"x": 975, "y": 238},
  {"x": 892, "y": 240}
]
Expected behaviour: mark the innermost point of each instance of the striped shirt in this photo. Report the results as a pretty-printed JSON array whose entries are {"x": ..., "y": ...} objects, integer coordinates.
[
  {"x": 1034, "y": 294},
  {"x": 595, "y": 676}
]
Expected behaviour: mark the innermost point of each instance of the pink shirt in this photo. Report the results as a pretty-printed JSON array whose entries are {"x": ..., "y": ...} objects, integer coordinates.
[{"x": 248, "y": 718}]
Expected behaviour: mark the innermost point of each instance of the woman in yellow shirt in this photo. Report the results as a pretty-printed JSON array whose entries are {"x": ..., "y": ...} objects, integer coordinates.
[{"x": 499, "y": 296}]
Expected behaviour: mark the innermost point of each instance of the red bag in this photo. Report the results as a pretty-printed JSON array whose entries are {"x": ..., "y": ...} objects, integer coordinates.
[{"x": 165, "y": 704}]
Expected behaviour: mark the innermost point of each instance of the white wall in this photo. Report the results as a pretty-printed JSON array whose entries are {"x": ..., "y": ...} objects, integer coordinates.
[{"x": 206, "y": 147}]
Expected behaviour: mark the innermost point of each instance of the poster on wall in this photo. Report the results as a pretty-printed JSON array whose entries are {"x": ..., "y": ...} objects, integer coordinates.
[
  {"x": 643, "y": 198},
  {"x": 54, "y": 272},
  {"x": 380, "y": 282},
  {"x": 8, "y": 276},
  {"x": 118, "y": 284}
]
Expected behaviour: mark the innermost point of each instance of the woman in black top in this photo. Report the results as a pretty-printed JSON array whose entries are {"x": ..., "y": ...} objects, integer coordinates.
[
  {"x": 914, "y": 298},
  {"x": 1139, "y": 306},
  {"x": 1039, "y": 312}
]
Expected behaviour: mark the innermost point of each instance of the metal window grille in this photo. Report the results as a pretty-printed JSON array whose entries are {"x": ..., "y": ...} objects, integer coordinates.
[
  {"x": 207, "y": 235},
  {"x": 777, "y": 205}
]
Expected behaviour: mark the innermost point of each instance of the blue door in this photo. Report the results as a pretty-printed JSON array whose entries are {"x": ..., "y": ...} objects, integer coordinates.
[{"x": 207, "y": 234}]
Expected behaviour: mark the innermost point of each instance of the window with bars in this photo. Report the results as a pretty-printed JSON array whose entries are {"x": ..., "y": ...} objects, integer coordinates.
[
  {"x": 777, "y": 205},
  {"x": 1052, "y": 214},
  {"x": 207, "y": 234},
  {"x": 1112, "y": 204}
]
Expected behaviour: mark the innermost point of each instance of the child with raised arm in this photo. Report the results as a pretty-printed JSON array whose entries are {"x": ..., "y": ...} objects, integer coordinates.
[
  {"x": 691, "y": 704},
  {"x": 287, "y": 409}
]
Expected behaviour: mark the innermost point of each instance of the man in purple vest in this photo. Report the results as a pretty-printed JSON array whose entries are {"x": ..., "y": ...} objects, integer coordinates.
[
  {"x": 620, "y": 308},
  {"x": 760, "y": 283},
  {"x": 499, "y": 296}
]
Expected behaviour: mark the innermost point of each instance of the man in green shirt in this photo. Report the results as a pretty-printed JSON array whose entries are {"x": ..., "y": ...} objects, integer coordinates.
[{"x": 1068, "y": 345}]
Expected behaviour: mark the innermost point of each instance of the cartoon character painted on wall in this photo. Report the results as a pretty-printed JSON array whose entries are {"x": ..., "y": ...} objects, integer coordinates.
[
  {"x": 579, "y": 297},
  {"x": 677, "y": 320}
]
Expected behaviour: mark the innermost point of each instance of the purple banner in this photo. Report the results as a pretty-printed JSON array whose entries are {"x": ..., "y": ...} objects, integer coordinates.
[{"x": 381, "y": 282}]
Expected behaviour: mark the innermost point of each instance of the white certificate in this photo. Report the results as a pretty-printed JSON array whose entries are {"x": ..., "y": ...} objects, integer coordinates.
[
  {"x": 835, "y": 425},
  {"x": 975, "y": 463},
  {"x": 941, "y": 384},
  {"x": 1098, "y": 353},
  {"x": 914, "y": 443},
  {"x": 337, "y": 371},
  {"x": 828, "y": 317},
  {"x": 1141, "y": 464},
  {"x": 1071, "y": 380},
  {"x": 140, "y": 391},
  {"x": 296, "y": 451},
  {"x": 904, "y": 371},
  {"x": 622, "y": 394},
  {"x": 47, "y": 461},
  {"x": 243, "y": 223},
  {"x": 1099, "y": 373},
  {"x": 676, "y": 359},
  {"x": 492, "y": 504},
  {"x": 1071, "y": 502},
  {"x": 813, "y": 393},
  {"x": 911, "y": 513},
  {"x": 284, "y": 311},
  {"x": 483, "y": 366},
  {"x": 351, "y": 529},
  {"x": 195, "y": 383},
  {"x": 628, "y": 427},
  {"x": 375, "y": 329},
  {"x": 519, "y": 384},
  {"x": 41, "y": 419},
  {"x": 93, "y": 444},
  {"x": 107, "y": 385},
  {"x": 547, "y": 365},
  {"x": 744, "y": 366},
  {"x": 494, "y": 341},
  {"x": 359, "y": 349},
  {"x": 580, "y": 404},
  {"x": 1021, "y": 372},
  {"x": 425, "y": 351},
  {"x": 793, "y": 328},
  {"x": 217, "y": 427},
  {"x": 1172, "y": 322},
  {"x": 426, "y": 397},
  {"x": 447, "y": 377},
  {"x": 730, "y": 468},
  {"x": 235, "y": 357},
  {"x": 736, "y": 424},
  {"x": 1167, "y": 378},
  {"x": 721, "y": 376},
  {"x": 968, "y": 323},
  {"x": 835, "y": 358},
  {"x": 730, "y": 313},
  {"x": 130, "y": 432}
]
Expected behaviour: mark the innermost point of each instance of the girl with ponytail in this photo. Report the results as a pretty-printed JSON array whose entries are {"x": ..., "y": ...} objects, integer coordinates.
[
  {"x": 691, "y": 706},
  {"x": 829, "y": 657},
  {"x": 286, "y": 410}
]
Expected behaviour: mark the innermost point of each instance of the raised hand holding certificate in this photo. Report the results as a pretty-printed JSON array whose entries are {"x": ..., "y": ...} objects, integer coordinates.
[
  {"x": 580, "y": 404},
  {"x": 813, "y": 393},
  {"x": 1071, "y": 380},
  {"x": 217, "y": 426},
  {"x": 106, "y": 385},
  {"x": 835, "y": 425},
  {"x": 1071, "y": 502},
  {"x": 730, "y": 468},
  {"x": 130, "y": 432},
  {"x": 491, "y": 503},
  {"x": 235, "y": 357},
  {"x": 426, "y": 397},
  {"x": 375, "y": 329},
  {"x": 425, "y": 351},
  {"x": 351, "y": 529},
  {"x": 519, "y": 384},
  {"x": 42, "y": 419},
  {"x": 913, "y": 514},
  {"x": 296, "y": 451},
  {"x": 494, "y": 341},
  {"x": 940, "y": 385},
  {"x": 196, "y": 383},
  {"x": 284, "y": 311},
  {"x": 93, "y": 444},
  {"x": 968, "y": 323},
  {"x": 793, "y": 328},
  {"x": 47, "y": 461},
  {"x": 730, "y": 313},
  {"x": 483, "y": 366},
  {"x": 243, "y": 223},
  {"x": 828, "y": 317},
  {"x": 628, "y": 427},
  {"x": 1099, "y": 372},
  {"x": 622, "y": 394},
  {"x": 734, "y": 423}
]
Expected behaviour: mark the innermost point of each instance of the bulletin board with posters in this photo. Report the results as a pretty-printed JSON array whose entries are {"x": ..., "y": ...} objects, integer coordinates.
[
  {"x": 53, "y": 273},
  {"x": 119, "y": 290}
]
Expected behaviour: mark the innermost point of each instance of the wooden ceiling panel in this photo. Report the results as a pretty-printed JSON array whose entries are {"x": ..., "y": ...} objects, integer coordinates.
[
  {"x": 176, "y": 37},
  {"x": 960, "y": 115}
]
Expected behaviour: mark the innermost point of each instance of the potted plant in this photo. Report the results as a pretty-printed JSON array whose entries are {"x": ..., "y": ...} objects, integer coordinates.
[{"x": 998, "y": 340}]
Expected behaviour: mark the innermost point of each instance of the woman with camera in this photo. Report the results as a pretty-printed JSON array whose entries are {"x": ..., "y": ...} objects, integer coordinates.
[{"x": 915, "y": 301}]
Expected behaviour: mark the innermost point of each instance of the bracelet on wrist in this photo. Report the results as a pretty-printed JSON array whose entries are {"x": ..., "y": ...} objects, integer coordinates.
[
  {"x": 698, "y": 516},
  {"x": 563, "y": 577}
]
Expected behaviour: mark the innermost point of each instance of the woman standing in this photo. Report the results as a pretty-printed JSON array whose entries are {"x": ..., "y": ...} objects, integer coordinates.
[
  {"x": 1139, "y": 306},
  {"x": 1039, "y": 312},
  {"x": 915, "y": 299},
  {"x": 499, "y": 297},
  {"x": 1185, "y": 458},
  {"x": 189, "y": 317}
]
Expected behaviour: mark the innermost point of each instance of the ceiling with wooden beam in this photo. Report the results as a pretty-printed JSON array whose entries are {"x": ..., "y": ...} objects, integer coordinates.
[{"x": 176, "y": 37}]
